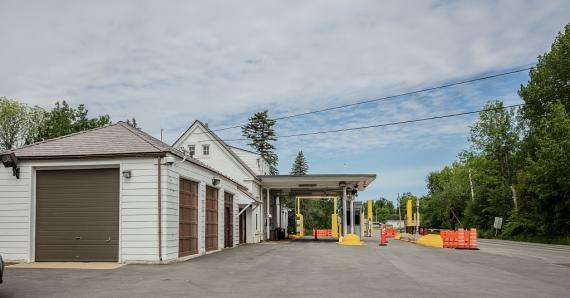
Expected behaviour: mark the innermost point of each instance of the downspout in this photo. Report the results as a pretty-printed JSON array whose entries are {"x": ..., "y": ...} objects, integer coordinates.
[{"x": 159, "y": 210}]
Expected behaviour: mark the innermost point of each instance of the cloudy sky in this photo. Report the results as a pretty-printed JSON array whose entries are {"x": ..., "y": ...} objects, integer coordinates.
[{"x": 167, "y": 63}]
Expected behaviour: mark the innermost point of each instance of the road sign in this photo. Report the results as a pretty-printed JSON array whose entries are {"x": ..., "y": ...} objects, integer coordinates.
[{"x": 498, "y": 222}]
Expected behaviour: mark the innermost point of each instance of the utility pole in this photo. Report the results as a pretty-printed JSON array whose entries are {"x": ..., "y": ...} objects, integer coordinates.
[
  {"x": 417, "y": 216},
  {"x": 471, "y": 185}
]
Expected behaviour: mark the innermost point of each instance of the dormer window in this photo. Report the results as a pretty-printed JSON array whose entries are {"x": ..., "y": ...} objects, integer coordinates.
[
  {"x": 205, "y": 149},
  {"x": 192, "y": 150}
]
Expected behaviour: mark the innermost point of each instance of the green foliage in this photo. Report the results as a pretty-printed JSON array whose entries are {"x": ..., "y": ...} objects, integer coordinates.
[
  {"x": 519, "y": 159},
  {"x": 316, "y": 214},
  {"x": 19, "y": 123},
  {"x": 260, "y": 131},
  {"x": 300, "y": 166},
  {"x": 383, "y": 209},
  {"x": 549, "y": 80},
  {"x": 63, "y": 120}
]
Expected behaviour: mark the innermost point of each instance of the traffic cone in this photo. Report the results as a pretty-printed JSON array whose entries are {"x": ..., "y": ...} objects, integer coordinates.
[{"x": 382, "y": 238}]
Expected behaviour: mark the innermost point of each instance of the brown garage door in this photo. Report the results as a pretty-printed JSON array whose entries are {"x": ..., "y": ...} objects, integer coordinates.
[
  {"x": 228, "y": 220},
  {"x": 188, "y": 218},
  {"x": 211, "y": 218},
  {"x": 77, "y": 215}
]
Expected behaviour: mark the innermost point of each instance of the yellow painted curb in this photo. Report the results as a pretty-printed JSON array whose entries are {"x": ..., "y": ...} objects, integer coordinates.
[
  {"x": 431, "y": 240},
  {"x": 351, "y": 239}
]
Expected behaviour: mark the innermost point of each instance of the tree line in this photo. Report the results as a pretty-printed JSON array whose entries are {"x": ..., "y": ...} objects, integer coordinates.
[{"x": 518, "y": 164}]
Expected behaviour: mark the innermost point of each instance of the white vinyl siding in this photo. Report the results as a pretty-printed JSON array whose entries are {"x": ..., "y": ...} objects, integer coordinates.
[
  {"x": 253, "y": 160},
  {"x": 138, "y": 207},
  {"x": 15, "y": 213}
]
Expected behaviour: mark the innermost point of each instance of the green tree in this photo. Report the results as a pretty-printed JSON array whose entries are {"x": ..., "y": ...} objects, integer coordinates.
[
  {"x": 19, "y": 123},
  {"x": 549, "y": 80},
  {"x": 13, "y": 121},
  {"x": 316, "y": 214},
  {"x": 519, "y": 160},
  {"x": 300, "y": 166},
  {"x": 260, "y": 132},
  {"x": 383, "y": 209},
  {"x": 496, "y": 136},
  {"x": 64, "y": 119}
]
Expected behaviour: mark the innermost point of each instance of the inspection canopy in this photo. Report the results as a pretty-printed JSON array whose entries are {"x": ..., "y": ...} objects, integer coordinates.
[{"x": 316, "y": 184}]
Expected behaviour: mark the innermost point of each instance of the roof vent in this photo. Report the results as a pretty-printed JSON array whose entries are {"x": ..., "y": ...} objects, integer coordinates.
[{"x": 206, "y": 124}]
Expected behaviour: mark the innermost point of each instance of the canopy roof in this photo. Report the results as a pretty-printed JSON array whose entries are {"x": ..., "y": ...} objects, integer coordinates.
[{"x": 315, "y": 184}]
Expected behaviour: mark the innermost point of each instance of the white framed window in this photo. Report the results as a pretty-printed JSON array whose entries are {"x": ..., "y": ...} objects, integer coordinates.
[
  {"x": 206, "y": 149},
  {"x": 192, "y": 150}
]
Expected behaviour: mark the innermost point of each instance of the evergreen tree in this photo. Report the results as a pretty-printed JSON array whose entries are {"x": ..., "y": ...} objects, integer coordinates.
[
  {"x": 300, "y": 166},
  {"x": 260, "y": 131}
]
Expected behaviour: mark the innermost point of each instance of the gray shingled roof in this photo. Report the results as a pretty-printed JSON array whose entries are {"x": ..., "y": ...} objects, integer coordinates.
[
  {"x": 115, "y": 139},
  {"x": 119, "y": 139}
]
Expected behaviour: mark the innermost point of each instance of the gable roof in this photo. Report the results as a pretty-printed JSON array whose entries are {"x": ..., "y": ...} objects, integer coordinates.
[
  {"x": 222, "y": 143},
  {"x": 114, "y": 140}
]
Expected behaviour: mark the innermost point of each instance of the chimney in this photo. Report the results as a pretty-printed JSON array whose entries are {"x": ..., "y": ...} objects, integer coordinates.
[{"x": 206, "y": 124}]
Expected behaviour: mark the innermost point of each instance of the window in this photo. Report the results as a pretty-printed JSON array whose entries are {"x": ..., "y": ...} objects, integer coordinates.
[
  {"x": 206, "y": 149},
  {"x": 192, "y": 150}
]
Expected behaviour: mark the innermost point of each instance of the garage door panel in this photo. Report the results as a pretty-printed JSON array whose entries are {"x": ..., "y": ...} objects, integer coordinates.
[
  {"x": 188, "y": 218},
  {"x": 77, "y": 215},
  {"x": 57, "y": 253},
  {"x": 211, "y": 218}
]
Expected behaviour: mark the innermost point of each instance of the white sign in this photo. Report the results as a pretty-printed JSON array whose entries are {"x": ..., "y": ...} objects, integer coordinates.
[{"x": 498, "y": 222}]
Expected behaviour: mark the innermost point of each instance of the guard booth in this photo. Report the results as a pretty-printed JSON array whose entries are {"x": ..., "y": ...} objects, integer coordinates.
[{"x": 341, "y": 189}]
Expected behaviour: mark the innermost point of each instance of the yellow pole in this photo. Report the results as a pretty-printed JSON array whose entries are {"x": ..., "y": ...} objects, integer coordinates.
[
  {"x": 409, "y": 221},
  {"x": 334, "y": 220}
]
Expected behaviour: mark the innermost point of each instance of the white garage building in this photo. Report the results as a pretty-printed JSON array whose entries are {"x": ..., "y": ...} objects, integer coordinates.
[{"x": 114, "y": 194}]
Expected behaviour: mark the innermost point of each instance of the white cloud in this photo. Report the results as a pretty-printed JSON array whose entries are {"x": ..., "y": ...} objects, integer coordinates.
[{"x": 168, "y": 63}]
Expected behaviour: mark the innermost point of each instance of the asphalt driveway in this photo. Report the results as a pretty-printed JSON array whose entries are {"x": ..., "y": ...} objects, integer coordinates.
[{"x": 319, "y": 269}]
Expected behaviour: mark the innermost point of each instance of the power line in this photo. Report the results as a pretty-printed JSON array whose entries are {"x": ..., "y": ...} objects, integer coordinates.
[
  {"x": 392, "y": 96},
  {"x": 386, "y": 124}
]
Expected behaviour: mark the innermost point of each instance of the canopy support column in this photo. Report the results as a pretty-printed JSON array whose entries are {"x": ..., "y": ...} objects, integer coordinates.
[
  {"x": 344, "y": 213},
  {"x": 277, "y": 213},
  {"x": 268, "y": 216},
  {"x": 352, "y": 217}
]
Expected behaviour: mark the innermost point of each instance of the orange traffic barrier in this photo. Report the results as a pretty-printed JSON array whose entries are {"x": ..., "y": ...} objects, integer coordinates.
[
  {"x": 322, "y": 233},
  {"x": 446, "y": 237},
  {"x": 460, "y": 236},
  {"x": 391, "y": 233},
  {"x": 473, "y": 238}
]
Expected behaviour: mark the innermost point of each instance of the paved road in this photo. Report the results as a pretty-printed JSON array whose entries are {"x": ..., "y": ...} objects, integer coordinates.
[{"x": 320, "y": 269}]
